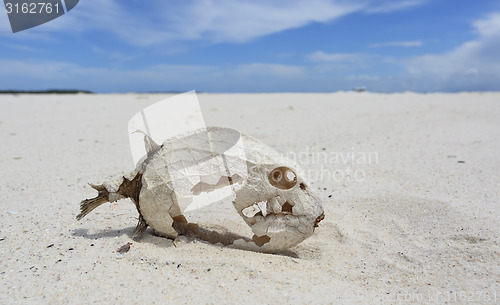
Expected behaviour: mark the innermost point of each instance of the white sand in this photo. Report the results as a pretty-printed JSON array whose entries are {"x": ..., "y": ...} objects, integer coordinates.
[{"x": 421, "y": 226}]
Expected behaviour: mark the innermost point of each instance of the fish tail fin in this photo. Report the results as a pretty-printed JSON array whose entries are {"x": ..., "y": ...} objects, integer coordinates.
[{"x": 88, "y": 205}]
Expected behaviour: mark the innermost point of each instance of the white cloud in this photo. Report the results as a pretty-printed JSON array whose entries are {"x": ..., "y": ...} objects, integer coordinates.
[
  {"x": 213, "y": 21},
  {"x": 347, "y": 61},
  {"x": 283, "y": 71},
  {"x": 146, "y": 23},
  {"x": 391, "y": 5},
  {"x": 364, "y": 77},
  {"x": 59, "y": 74},
  {"x": 472, "y": 65},
  {"x": 34, "y": 69},
  {"x": 18, "y": 47},
  {"x": 240, "y": 21},
  {"x": 320, "y": 56},
  {"x": 340, "y": 62},
  {"x": 405, "y": 44},
  {"x": 343, "y": 71}
]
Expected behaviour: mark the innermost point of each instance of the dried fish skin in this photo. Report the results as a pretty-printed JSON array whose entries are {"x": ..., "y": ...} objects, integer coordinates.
[{"x": 269, "y": 191}]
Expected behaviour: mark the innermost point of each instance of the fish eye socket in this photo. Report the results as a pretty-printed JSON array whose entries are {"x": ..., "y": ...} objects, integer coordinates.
[{"x": 283, "y": 178}]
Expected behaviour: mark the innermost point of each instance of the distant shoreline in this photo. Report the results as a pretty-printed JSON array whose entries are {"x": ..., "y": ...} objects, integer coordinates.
[
  {"x": 49, "y": 91},
  {"x": 76, "y": 91}
]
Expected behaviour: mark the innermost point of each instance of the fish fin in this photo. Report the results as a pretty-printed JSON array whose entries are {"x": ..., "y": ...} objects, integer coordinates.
[
  {"x": 150, "y": 145},
  {"x": 88, "y": 205},
  {"x": 140, "y": 228}
]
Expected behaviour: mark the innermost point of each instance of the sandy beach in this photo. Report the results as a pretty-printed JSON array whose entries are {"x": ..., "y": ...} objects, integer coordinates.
[{"x": 409, "y": 182}]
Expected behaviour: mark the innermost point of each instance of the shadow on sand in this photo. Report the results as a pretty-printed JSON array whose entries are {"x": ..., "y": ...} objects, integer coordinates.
[{"x": 150, "y": 237}]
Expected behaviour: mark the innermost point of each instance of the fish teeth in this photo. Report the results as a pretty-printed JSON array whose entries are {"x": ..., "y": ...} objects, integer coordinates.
[
  {"x": 263, "y": 207},
  {"x": 280, "y": 200},
  {"x": 255, "y": 208},
  {"x": 275, "y": 205},
  {"x": 251, "y": 211}
]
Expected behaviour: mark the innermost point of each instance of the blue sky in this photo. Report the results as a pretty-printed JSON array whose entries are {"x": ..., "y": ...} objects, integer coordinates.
[{"x": 258, "y": 46}]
